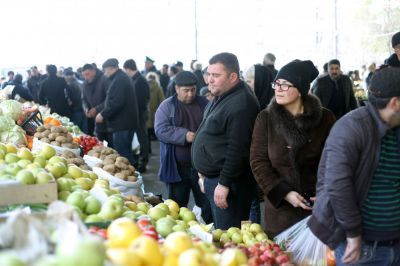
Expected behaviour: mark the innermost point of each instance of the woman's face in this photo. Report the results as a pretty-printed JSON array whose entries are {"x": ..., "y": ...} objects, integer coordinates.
[{"x": 285, "y": 92}]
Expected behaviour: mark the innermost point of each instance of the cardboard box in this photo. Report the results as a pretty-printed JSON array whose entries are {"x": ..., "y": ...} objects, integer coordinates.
[{"x": 28, "y": 194}]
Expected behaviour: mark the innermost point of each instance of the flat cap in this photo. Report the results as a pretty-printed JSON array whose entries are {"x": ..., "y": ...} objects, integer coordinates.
[
  {"x": 385, "y": 83},
  {"x": 185, "y": 78},
  {"x": 111, "y": 62}
]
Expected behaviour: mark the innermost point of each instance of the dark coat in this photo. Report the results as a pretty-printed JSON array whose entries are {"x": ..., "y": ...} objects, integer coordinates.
[
  {"x": 94, "y": 95},
  {"x": 23, "y": 92},
  {"x": 222, "y": 143},
  {"x": 393, "y": 61},
  {"x": 346, "y": 170},
  {"x": 200, "y": 80},
  {"x": 284, "y": 156},
  {"x": 324, "y": 86},
  {"x": 76, "y": 96},
  {"x": 164, "y": 81},
  {"x": 262, "y": 85},
  {"x": 34, "y": 86},
  {"x": 142, "y": 92},
  {"x": 56, "y": 94},
  {"x": 120, "y": 107}
]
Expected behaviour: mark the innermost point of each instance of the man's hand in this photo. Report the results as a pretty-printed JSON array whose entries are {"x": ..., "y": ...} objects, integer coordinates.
[
  {"x": 99, "y": 118},
  {"x": 353, "y": 250},
  {"x": 91, "y": 113},
  {"x": 201, "y": 182},
  {"x": 220, "y": 195},
  {"x": 190, "y": 136},
  {"x": 297, "y": 200}
]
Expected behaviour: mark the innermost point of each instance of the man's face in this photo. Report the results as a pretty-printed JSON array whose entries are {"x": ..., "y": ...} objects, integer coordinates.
[
  {"x": 164, "y": 70},
  {"x": 186, "y": 94},
  {"x": 397, "y": 50},
  {"x": 89, "y": 74},
  {"x": 334, "y": 71},
  {"x": 148, "y": 65},
  {"x": 220, "y": 80},
  {"x": 34, "y": 71},
  {"x": 108, "y": 71},
  {"x": 68, "y": 78},
  {"x": 129, "y": 72}
]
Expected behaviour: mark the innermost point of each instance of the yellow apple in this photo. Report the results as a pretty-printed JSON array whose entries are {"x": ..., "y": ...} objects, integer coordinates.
[
  {"x": 122, "y": 232},
  {"x": 172, "y": 205},
  {"x": 123, "y": 257},
  {"x": 191, "y": 257},
  {"x": 178, "y": 242},
  {"x": 148, "y": 250}
]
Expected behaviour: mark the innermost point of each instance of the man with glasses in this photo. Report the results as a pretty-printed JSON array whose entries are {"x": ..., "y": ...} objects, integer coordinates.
[
  {"x": 220, "y": 150},
  {"x": 394, "y": 59},
  {"x": 335, "y": 90}
]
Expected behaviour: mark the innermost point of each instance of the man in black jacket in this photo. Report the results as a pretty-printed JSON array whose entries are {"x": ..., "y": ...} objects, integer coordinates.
[
  {"x": 335, "y": 90},
  {"x": 34, "y": 83},
  {"x": 142, "y": 92},
  {"x": 78, "y": 117},
  {"x": 56, "y": 93},
  {"x": 220, "y": 151},
  {"x": 93, "y": 97},
  {"x": 394, "y": 59},
  {"x": 120, "y": 109}
]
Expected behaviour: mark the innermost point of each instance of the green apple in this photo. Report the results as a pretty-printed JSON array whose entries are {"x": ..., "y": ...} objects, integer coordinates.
[
  {"x": 13, "y": 169},
  {"x": 93, "y": 205},
  {"x": 179, "y": 228},
  {"x": 87, "y": 251},
  {"x": 93, "y": 218},
  {"x": 48, "y": 260},
  {"x": 217, "y": 234},
  {"x": 174, "y": 215},
  {"x": 57, "y": 169},
  {"x": 36, "y": 171},
  {"x": 164, "y": 207},
  {"x": 63, "y": 195},
  {"x": 74, "y": 171},
  {"x": 25, "y": 154},
  {"x": 25, "y": 177},
  {"x": 32, "y": 166},
  {"x": 48, "y": 152},
  {"x": 143, "y": 206},
  {"x": 237, "y": 238},
  {"x": 256, "y": 228},
  {"x": 3, "y": 148},
  {"x": 11, "y": 148},
  {"x": 164, "y": 226},
  {"x": 131, "y": 205},
  {"x": 93, "y": 176},
  {"x": 63, "y": 184},
  {"x": 111, "y": 209},
  {"x": 23, "y": 163},
  {"x": 85, "y": 174},
  {"x": 58, "y": 159},
  {"x": 156, "y": 213},
  {"x": 84, "y": 182},
  {"x": 11, "y": 158},
  {"x": 188, "y": 216},
  {"x": 2, "y": 154},
  {"x": 131, "y": 215},
  {"x": 43, "y": 178},
  {"x": 102, "y": 183},
  {"x": 224, "y": 238},
  {"x": 117, "y": 197},
  {"x": 232, "y": 230},
  {"x": 76, "y": 199},
  {"x": 40, "y": 159},
  {"x": 182, "y": 210},
  {"x": 261, "y": 236},
  {"x": 247, "y": 235}
]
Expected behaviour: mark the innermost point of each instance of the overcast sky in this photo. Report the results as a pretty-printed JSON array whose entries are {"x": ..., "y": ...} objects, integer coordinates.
[{"x": 74, "y": 32}]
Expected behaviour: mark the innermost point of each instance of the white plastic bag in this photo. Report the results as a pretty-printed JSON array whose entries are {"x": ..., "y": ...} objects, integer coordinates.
[
  {"x": 38, "y": 145},
  {"x": 91, "y": 161},
  {"x": 125, "y": 187},
  {"x": 306, "y": 248},
  {"x": 135, "y": 143}
]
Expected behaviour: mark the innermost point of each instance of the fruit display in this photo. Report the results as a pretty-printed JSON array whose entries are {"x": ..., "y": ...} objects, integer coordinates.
[
  {"x": 114, "y": 164},
  {"x": 248, "y": 234},
  {"x": 88, "y": 142},
  {"x": 72, "y": 158},
  {"x": 56, "y": 135}
]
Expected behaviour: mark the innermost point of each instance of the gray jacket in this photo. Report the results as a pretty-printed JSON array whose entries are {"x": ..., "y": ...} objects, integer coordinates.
[{"x": 345, "y": 173}]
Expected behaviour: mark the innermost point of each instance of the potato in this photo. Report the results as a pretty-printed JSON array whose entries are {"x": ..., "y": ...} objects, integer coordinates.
[
  {"x": 45, "y": 140},
  {"x": 100, "y": 165},
  {"x": 68, "y": 154},
  {"x": 109, "y": 168},
  {"x": 64, "y": 130},
  {"x": 108, "y": 161},
  {"x": 126, "y": 172},
  {"x": 38, "y": 135},
  {"x": 102, "y": 157},
  {"x": 79, "y": 161},
  {"x": 46, "y": 133},
  {"x": 69, "y": 138},
  {"x": 67, "y": 145},
  {"x": 74, "y": 145},
  {"x": 131, "y": 168},
  {"x": 122, "y": 159},
  {"x": 120, "y": 175},
  {"x": 112, "y": 157},
  {"x": 121, "y": 165},
  {"x": 61, "y": 139},
  {"x": 58, "y": 129},
  {"x": 53, "y": 136},
  {"x": 132, "y": 178},
  {"x": 55, "y": 143},
  {"x": 40, "y": 129},
  {"x": 48, "y": 126},
  {"x": 84, "y": 167},
  {"x": 97, "y": 149}
]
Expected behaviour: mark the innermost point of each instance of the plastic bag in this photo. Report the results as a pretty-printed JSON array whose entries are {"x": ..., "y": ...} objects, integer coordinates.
[
  {"x": 126, "y": 188},
  {"x": 305, "y": 247},
  {"x": 135, "y": 143},
  {"x": 38, "y": 145},
  {"x": 91, "y": 161}
]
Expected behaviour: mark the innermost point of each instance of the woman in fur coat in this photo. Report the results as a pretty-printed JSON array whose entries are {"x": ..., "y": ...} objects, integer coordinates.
[{"x": 287, "y": 143}]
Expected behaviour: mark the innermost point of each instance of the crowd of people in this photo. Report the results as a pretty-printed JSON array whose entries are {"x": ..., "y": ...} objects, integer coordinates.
[{"x": 297, "y": 137}]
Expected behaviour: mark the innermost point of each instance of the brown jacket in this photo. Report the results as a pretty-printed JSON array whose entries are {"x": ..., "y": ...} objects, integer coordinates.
[{"x": 284, "y": 157}]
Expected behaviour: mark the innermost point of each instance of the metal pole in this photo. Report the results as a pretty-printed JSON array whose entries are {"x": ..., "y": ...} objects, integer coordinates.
[
  {"x": 336, "y": 31},
  {"x": 195, "y": 29}
]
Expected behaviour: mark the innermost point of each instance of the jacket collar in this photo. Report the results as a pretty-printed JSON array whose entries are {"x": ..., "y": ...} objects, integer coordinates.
[{"x": 381, "y": 125}]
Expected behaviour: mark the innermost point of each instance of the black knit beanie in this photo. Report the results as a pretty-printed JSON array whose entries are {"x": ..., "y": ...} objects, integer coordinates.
[
  {"x": 396, "y": 39},
  {"x": 300, "y": 74}
]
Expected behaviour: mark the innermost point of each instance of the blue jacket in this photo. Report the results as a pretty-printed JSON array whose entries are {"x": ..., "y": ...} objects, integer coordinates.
[{"x": 170, "y": 135}]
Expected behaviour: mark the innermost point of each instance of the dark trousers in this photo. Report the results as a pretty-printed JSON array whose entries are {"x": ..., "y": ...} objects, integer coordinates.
[
  {"x": 142, "y": 138},
  {"x": 122, "y": 141},
  {"x": 107, "y": 136},
  {"x": 180, "y": 191},
  {"x": 90, "y": 126},
  {"x": 151, "y": 135},
  {"x": 239, "y": 200}
]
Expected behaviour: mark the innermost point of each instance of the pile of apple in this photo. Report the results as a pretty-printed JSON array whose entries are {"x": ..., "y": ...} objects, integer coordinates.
[
  {"x": 128, "y": 246},
  {"x": 267, "y": 254},
  {"x": 248, "y": 234},
  {"x": 23, "y": 166}
]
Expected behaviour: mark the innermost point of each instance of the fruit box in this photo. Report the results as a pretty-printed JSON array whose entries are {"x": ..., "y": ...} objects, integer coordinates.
[{"x": 20, "y": 194}]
